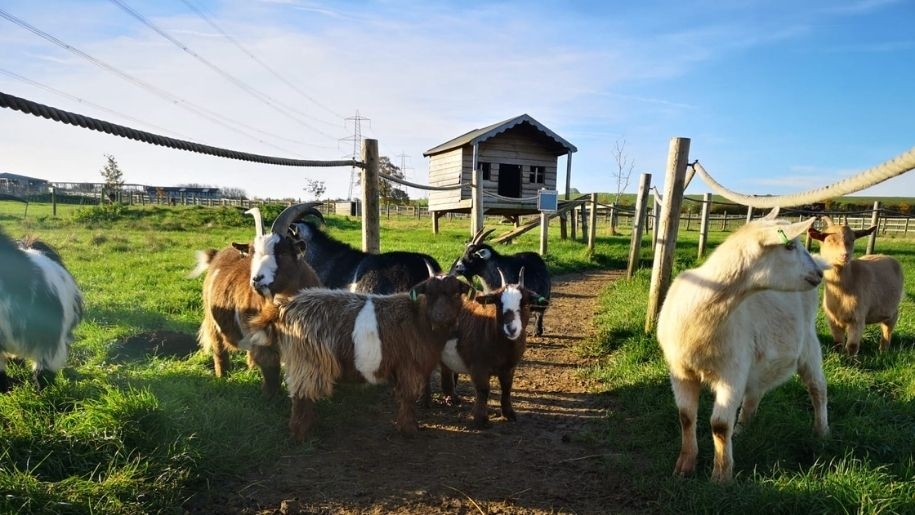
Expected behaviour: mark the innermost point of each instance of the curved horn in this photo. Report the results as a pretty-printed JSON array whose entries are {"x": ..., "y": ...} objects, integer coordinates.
[
  {"x": 485, "y": 234},
  {"x": 521, "y": 278},
  {"x": 290, "y": 214},
  {"x": 502, "y": 276},
  {"x": 258, "y": 220},
  {"x": 476, "y": 237},
  {"x": 772, "y": 214},
  {"x": 429, "y": 268},
  {"x": 828, "y": 221}
]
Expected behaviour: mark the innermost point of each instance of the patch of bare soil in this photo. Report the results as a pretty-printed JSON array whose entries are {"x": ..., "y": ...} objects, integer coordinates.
[
  {"x": 164, "y": 344},
  {"x": 547, "y": 462}
]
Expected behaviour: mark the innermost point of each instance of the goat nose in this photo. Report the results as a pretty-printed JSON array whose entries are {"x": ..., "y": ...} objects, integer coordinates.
[{"x": 257, "y": 279}]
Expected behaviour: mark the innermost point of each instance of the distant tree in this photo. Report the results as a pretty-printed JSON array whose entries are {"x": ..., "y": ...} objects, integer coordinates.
[
  {"x": 389, "y": 191},
  {"x": 113, "y": 176},
  {"x": 315, "y": 187},
  {"x": 234, "y": 193},
  {"x": 621, "y": 174}
]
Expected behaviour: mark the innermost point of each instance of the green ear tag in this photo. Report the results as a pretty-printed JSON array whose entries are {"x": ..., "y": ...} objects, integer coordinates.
[
  {"x": 413, "y": 295},
  {"x": 785, "y": 239}
]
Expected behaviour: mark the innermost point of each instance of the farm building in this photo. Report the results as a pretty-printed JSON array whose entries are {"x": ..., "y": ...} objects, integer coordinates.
[
  {"x": 14, "y": 184},
  {"x": 516, "y": 158}
]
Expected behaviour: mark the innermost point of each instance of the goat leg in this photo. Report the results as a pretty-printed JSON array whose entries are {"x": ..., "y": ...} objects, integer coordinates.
[
  {"x": 406, "y": 397},
  {"x": 267, "y": 359},
  {"x": 449, "y": 381},
  {"x": 43, "y": 377},
  {"x": 303, "y": 416},
  {"x": 480, "y": 403},
  {"x": 4, "y": 382},
  {"x": 505, "y": 385}
]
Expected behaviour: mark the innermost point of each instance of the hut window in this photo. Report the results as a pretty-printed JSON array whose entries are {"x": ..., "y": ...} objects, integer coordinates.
[
  {"x": 486, "y": 168},
  {"x": 537, "y": 174}
]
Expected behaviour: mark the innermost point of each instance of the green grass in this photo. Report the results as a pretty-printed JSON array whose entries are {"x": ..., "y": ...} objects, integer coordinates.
[
  {"x": 123, "y": 432},
  {"x": 865, "y": 466}
]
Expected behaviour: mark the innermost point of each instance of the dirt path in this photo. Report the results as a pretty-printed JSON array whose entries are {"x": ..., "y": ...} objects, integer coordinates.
[{"x": 543, "y": 463}]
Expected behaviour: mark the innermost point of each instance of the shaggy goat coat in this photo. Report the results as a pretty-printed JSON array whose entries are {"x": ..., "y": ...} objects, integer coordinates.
[
  {"x": 40, "y": 305},
  {"x": 742, "y": 323},
  {"x": 329, "y": 335}
]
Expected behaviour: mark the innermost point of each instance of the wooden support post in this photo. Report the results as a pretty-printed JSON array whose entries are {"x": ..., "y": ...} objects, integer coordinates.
[
  {"x": 749, "y": 214},
  {"x": 592, "y": 223},
  {"x": 53, "y": 202},
  {"x": 875, "y": 219},
  {"x": 584, "y": 216},
  {"x": 476, "y": 183},
  {"x": 544, "y": 232},
  {"x": 674, "y": 181},
  {"x": 564, "y": 218},
  {"x": 435, "y": 217},
  {"x": 370, "y": 214},
  {"x": 655, "y": 218},
  {"x": 573, "y": 223},
  {"x": 638, "y": 224},
  {"x": 703, "y": 223}
]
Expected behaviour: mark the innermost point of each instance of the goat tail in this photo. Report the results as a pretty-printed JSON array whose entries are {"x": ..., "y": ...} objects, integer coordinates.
[{"x": 204, "y": 257}]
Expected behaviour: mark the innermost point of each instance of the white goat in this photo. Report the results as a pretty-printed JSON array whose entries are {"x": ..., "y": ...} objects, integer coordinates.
[
  {"x": 742, "y": 323},
  {"x": 860, "y": 291}
]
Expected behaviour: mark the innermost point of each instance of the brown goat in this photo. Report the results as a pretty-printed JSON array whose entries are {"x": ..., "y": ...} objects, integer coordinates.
[
  {"x": 860, "y": 291},
  {"x": 241, "y": 280},
  {"x": 492, "y": 337},
  {"x": 331, "y": 335}
]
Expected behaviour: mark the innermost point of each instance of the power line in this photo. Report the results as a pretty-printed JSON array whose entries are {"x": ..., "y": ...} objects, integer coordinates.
[
  {"x": 273, "y": 72},
  {"x": 263, "y": 97},
  {"x": 212, "y": 116},
  {"x": 86, "y": 102}
]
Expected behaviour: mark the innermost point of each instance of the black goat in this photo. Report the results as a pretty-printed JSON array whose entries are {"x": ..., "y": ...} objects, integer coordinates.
[
  {"x": 481, "y": 260},
  {"x": 340, "y": 266}
]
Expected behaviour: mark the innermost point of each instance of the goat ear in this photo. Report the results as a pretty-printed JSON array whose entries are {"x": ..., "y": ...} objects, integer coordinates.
[
  {"x": 791, "y": 231},
  {"x": 860, "y": 233},
  {"x": 815, "y": 234},
  {"x": 537, "y": 299},
  {"x": 483, "y": 253},
  {"x": 243, "y": 248},
  {"x": 772, "y": 214}
]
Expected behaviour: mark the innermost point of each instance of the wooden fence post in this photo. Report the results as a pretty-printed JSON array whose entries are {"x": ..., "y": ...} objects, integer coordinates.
[
  {"x": 544, "y": 231},
  {"x": 573, "y": 223},
  {"x": 370, "y": 214},
  {"x": 749, "y": 214},
  {"x": 703, "y": 224},
  {"x": 476, "y": 182},
  {"x": 661, "y": 268},
  {"x": 53, "y": 202},
  {"x": 638, "y": 224},
  {"x": 592, "y": 222},
  {"x": 655, "y": 217},
  {"x": 875, "y": 219},
  {"x": 613, "y": 219}
]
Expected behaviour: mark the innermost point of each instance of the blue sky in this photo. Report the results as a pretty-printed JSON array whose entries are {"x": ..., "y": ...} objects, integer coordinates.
[{"x": 776, "y": 96}]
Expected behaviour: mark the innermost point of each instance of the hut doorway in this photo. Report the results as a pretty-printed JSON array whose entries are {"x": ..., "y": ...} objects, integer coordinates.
[{"x": 510, "y": 180}]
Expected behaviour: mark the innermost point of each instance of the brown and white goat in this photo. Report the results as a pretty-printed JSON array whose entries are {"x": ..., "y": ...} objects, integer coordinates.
[
  {"x": 860, "y": 291},
  {"x": 326, "y": 336},
  {"x": 492, "y": 337},
  {"x": 241, "y": 280}
]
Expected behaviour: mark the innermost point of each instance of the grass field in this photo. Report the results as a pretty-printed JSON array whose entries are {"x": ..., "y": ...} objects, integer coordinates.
[{"x": 122, "y": 432}]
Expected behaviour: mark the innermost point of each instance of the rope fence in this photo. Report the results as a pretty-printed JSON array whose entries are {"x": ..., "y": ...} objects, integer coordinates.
[{"x": 43, "y": 111}]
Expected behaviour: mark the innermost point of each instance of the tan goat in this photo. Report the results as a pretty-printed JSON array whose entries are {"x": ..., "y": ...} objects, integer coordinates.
[{"x": 859, "y": 291}]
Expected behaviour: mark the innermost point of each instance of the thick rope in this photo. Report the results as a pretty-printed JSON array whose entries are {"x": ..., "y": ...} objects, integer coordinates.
[
  {"x": 58, "y": 115},
  {"x": 875, "y": 175},
  {"x": 509, "y": 199},
  {"x": 398, "y": 180}
]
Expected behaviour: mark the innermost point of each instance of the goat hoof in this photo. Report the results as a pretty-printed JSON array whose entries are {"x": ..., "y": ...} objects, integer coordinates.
[
  {"x": 43, "y": 378},
  {"x": 510, "y": 415},
  {"x": 480, "y": 424},
  {"x": 5, "y": 385}
]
